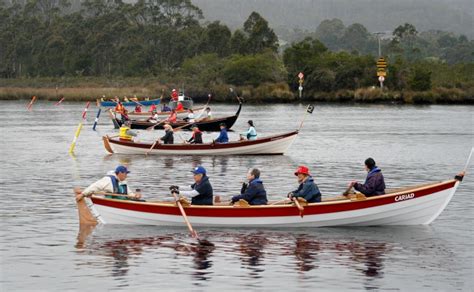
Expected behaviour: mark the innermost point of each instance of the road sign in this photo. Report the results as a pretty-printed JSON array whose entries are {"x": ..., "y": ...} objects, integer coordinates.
[
  {"x": 381, "y": 63},
  {"x": 381, "y": 78},
  {"x": 301, "y": 75}
]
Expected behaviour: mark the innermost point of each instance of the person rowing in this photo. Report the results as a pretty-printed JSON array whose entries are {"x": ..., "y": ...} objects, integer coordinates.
[
  {"x": 114, "y": 183},
  {"x": 251, "y": 133},
  {"x": 125, "y": 133},
  {"x": 223, "y": 137},
  {"x": 172, "y": 117},
  {"x": 253, "y": 192},
  {"x": 168, "y": 137},
  {"x": 374, "y": 183},
  {"x": 307, "y": 188},
  {"x": 201, "y": 192},
  {"x": 197, "y": 135},
  {"x": 190, "y": 117}
]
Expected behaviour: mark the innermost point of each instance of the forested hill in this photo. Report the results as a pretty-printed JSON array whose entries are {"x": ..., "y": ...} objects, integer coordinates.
[{"x": 376, "y": 15}]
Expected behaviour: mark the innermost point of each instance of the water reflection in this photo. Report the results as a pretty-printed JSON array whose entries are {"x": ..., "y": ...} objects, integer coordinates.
[
  {"x": 251, "y": 247},
  {"x": 255, "y": 250}
]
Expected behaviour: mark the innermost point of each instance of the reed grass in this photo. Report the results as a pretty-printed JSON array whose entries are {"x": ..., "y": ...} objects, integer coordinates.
[{"x": 89, "y": 89}]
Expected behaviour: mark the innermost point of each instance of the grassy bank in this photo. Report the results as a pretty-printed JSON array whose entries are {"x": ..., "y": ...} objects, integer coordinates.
[{"x": 75, "y": 89}]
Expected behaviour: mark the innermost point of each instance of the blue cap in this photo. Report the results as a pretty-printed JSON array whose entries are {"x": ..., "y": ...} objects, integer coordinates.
[
  {"x": 199, "y": 170},
  {"x": 121, "y": 169}
]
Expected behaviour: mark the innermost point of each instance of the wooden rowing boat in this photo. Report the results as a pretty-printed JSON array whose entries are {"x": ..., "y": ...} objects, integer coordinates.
[
  {"x": 414, "y": 205},
  {"x": 277, "y": 144},
  {"x": 147, "y": 115},
  {"x": 131, "y": 103},
  {"x": 203, "y": 124}
]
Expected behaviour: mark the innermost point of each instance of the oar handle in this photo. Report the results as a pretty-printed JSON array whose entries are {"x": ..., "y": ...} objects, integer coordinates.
[{"x": 298, "y": 205}]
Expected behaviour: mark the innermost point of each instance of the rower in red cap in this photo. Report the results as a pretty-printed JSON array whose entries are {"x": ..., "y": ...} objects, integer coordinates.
[{"x": 307, "y": 189}]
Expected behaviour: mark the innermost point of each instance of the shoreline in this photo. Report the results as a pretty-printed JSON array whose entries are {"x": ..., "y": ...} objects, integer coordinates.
[{"x": 91, "y": 90}]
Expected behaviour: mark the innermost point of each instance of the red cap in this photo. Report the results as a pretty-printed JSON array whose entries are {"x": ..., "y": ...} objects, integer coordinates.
[{"x": 303, "y": 170}]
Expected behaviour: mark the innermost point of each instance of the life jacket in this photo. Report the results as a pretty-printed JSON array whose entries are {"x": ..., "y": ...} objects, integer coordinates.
[
  {"x": 179, "y": 107},
  {"x": 138, "y": 109},
  {"x": 123, "y": 133},
  {"x": 119, "y": 108},
  {"x": 118, "y": 189},
  {"x": 152, "y": 108},
  {"x": 174, "y": 95},
  {"x": 172, "y": 118}
]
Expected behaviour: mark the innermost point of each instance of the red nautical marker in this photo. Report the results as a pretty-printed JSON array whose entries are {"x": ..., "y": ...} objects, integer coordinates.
[{"x": 301, "y": 75}]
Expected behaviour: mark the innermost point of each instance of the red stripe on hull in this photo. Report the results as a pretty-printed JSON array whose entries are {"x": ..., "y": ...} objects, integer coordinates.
[{"x": 273, "y": 211}]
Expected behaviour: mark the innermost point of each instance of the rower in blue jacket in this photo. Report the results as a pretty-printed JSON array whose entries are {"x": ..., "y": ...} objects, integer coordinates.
[
  {"x": 223, "y": 137},
  {"x": 253, "y": 192}
]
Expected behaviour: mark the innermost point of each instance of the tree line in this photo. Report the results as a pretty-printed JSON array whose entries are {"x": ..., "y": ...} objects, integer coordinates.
[{"x": 170, "y": 40}]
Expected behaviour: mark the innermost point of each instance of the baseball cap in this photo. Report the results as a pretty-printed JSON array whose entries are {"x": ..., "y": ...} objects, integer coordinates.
[
  {"x": 121, "y": 169},
  {"x": 199, "y": 170}
]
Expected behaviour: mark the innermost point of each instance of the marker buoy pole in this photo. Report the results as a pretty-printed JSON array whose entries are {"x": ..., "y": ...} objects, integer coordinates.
[
  {"x": 30, "y": 104},
  {"x": 96, "y": 119},
  {"x": 59, "y": 102},
  {"x": 79, "y": 128}
]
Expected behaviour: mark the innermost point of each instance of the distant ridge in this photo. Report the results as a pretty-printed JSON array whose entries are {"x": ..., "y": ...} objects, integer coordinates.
[{"x": 376, "y": 15}]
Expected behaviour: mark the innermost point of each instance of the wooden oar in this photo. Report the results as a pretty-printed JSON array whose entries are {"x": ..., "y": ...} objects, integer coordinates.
[
  {"x": 152, "y": 127},
  {"x": 204, "y": 108},
  {"x": 281, "y": 202},
  {"x": 298, "y": 205},
  {"x": 191, "y": 230}
]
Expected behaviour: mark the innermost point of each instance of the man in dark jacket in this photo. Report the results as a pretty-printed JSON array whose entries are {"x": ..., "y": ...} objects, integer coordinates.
[
  {"x": 374, "y": 183},
  {"x": 168, "y": 137},
  {"x": 201, "y": 192},
  {"x": 307, "y": 189},
  {"x": 253, "y": 192}
]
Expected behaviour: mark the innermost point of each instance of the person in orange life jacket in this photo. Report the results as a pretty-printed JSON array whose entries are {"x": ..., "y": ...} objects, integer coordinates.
[
  {"x": 374, "y": 183},
  {"x": 307, "y": 189},
  {"x": 174, "y": 95},
  {"x": 125, "y": 133},
  {"x": 201, "y": 192},
  {"x": 172, "y": 117},
  {"x": 113, "y": 183},
  {"x": 253, "y": 192},
  {"x": 152, "y": 108},
  {"x": 168, "y": 137},
  {"x": 197, "y": 136},
  {"x": 223, "y": 137},
  {"x": 179, "y": 107}
]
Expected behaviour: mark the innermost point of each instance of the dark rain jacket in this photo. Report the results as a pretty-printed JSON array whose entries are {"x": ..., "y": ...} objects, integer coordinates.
[
  {"x": 168, "y": 137},
  {"x": 254, "y": 194},
  {"x": 374, "y": 183},
  {"x": 309, "y": 191}
]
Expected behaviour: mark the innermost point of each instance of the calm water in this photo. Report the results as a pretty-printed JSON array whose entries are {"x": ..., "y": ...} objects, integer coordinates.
[{"x": 42, "y": 247}]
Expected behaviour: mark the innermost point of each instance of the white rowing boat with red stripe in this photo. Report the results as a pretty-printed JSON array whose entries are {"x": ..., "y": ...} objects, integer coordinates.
[
  {"x": 276, "y": 144},
  {"x": 408, "y": 206}
]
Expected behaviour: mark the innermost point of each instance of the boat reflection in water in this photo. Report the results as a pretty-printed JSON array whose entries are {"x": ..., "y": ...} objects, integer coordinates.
[{"x": 297, "y": 252}]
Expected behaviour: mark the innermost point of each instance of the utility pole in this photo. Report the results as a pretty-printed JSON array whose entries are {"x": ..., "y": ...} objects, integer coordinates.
[
  {"x": 381, "y": 62},
  {"x": 378, "y": 34}
]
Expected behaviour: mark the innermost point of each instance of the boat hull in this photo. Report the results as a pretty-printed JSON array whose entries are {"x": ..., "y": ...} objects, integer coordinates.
[
  {"x": 417, "y": 206},
  {"x": 130, "y": 103},
  {"x": 204, "y": 125},
  {"x": 277, "y": 144}
]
